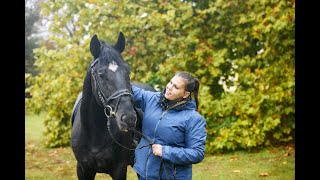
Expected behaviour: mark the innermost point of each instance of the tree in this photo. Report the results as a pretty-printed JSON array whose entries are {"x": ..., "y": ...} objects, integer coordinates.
[
  {"x": 32, "y": 16},
  {"x": 242, "y": 52}
]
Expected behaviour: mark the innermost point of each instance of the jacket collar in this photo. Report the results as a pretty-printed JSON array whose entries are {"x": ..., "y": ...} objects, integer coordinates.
[{"x": 180, "y": 104}]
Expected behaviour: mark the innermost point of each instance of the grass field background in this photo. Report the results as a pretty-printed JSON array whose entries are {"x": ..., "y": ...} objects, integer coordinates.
[{"x": 276, "y": 163}]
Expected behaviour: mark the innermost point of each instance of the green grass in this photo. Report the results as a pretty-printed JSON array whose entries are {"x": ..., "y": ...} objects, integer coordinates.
[
  {"x": 59, "y": 163},
  {"x": 278, "y": 163},
  {"x": 34, "y": 127}
]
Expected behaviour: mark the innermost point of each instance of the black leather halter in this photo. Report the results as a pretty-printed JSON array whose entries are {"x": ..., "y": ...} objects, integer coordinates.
[{"x": 103, "y": 99}]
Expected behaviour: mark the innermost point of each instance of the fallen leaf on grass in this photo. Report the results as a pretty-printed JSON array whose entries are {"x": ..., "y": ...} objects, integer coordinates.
[
  {"x": 274, "y": 151},
  {"x": 264, "y": 174},
  {"x": 271, "y": 160},
  {"x": 58, "y": 161},
  {"x": 53, "y": 153},
  {"x": 233, "y": 158},
  {"x": 236, "y": 171}
]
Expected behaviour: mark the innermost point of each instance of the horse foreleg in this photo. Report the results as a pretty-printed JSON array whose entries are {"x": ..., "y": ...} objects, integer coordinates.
[
  {"x": 84, "y": 172},
  {"x": 119, "y": 172}
]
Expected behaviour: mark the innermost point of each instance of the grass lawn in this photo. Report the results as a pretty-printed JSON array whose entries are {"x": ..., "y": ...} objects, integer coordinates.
[{"x": 59, "y": 163}]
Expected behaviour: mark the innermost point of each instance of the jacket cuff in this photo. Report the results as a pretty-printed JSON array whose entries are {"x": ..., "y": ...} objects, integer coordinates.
[{"x": 166, "y": 152}]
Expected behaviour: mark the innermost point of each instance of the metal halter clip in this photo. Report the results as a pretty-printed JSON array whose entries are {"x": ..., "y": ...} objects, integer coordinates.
[{"x": 112, "y": 113}]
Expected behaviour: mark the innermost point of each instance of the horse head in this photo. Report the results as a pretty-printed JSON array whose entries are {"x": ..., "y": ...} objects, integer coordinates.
[{"x": 110, "y": 81}]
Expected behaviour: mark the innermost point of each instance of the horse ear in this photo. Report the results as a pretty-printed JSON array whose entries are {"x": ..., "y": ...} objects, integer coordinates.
[
  {"x": 95, "y": 46},
  {"x": 120, "y": 45}
]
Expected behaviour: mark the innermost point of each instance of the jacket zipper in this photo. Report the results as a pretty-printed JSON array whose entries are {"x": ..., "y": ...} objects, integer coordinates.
[{"x": 154, "y": 137}]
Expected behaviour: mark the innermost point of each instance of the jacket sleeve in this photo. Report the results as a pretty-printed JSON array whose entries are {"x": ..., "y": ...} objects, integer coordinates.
[
  {"x": 141, "y": 97},
  {"x": 193, "y": 153}
]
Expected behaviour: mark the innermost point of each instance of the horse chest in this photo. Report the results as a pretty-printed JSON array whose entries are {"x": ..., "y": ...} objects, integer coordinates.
[{"x": 103, "y": 159}]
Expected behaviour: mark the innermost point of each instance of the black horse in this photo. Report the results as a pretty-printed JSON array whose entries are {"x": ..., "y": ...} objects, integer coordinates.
[{"x": 103, "y": 115}]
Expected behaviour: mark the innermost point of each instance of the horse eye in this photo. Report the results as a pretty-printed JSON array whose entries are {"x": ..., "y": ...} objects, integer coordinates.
[{"x": 100, "y": 75}]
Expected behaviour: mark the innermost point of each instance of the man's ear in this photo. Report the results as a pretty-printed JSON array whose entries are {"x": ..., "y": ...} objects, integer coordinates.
[{"x": 186, "y": 94}]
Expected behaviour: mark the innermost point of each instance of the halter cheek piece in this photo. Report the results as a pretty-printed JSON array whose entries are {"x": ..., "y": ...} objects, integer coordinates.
[{"x": 105, "y": 101}]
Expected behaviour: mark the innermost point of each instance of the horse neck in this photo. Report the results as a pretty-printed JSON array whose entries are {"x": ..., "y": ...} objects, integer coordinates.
[
  {"x": 92, "y": 115},
  {"x": 87, "y": 88}
]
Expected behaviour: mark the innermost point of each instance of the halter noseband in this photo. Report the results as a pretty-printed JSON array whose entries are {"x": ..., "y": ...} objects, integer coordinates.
[
  {"x": 115, "y": 95},
  {"x": 105, "y": 101}
]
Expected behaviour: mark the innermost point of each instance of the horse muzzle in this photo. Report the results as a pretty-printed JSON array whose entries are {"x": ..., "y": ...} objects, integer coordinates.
[{"x": 128, "y": 121}]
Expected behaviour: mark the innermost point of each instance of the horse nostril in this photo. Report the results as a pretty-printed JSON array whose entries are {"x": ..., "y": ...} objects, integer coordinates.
[
  {"x": 128, "y": 120},
  {"x": 124, "y": 118}
]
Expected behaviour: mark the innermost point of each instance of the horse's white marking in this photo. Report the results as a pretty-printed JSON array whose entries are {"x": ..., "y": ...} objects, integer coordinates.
[{"x": 113, "y": 66}]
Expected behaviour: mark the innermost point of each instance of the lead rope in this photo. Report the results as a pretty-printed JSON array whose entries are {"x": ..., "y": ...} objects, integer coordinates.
[
  {"x": 134, "y": 131},
  {"x": 108, "y": 124},
  {"x": 164, "y": 167}
]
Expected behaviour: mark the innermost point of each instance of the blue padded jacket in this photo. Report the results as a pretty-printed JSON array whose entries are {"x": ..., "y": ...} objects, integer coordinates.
[{"x": 181, "y": 131}]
